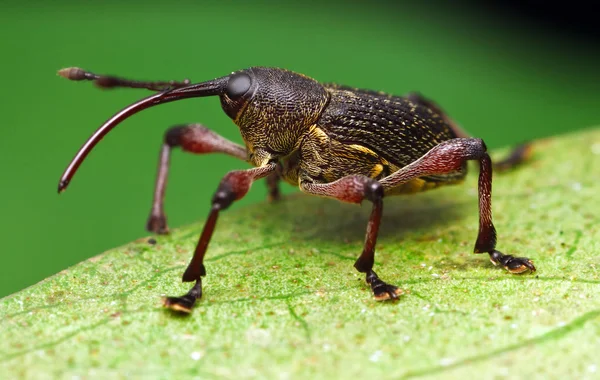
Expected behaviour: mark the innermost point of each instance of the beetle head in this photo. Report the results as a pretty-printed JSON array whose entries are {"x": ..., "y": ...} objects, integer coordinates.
[{"x": 272, "y": 107}]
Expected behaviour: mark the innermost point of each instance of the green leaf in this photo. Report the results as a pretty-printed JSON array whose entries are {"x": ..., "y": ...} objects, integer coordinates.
[{"x": 281, "y": 298}]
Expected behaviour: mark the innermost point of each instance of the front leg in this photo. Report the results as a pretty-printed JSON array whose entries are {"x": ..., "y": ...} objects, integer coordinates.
[
  {"x": 355, "y": 189},
  {"x": 194, "y": 138},
  {"x": 232, "y": 187}
]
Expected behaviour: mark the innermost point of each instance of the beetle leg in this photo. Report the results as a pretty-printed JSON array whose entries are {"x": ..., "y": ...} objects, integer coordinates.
[
  {"x": 447, "y": 157},
  {"x": 516, "y": 265},
  {"x": 273, "y": 180},
  {"x": 233, "y": 186},
  {"x": 516, "y": 157},
  {"x": 193, "y": 138},
  {"x": 355, "y": 189}
]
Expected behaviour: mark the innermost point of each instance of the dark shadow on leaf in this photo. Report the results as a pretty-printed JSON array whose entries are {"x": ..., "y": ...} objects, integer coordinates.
[{"x": 335, "y": 221}]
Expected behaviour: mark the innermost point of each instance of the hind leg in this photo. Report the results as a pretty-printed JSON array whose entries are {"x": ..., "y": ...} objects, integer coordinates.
[{"x": 448, "y": 157}]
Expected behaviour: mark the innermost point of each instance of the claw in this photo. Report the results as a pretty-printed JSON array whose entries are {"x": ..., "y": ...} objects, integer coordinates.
[
  {"x": 185, "y": 303},
  {"x": 520, "y": 265},
  {"x": 387, "y": 292},
  {"x": 180, "y": 304},
  {"x": 382, "y": 291},
  {"x": 515, "y": 265}
]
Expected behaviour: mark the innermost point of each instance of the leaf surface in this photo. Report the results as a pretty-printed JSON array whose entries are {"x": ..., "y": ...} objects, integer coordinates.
[{"x": 282, "y": 299}]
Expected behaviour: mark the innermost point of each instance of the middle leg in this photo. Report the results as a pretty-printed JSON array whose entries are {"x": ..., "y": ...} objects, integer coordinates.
[
  {"x": 273, "y": 180},
  {"x": 355, "y": 189}
]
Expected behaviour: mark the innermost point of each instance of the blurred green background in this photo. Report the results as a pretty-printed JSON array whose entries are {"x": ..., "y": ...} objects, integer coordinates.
[{"x": 503, "y": 77}]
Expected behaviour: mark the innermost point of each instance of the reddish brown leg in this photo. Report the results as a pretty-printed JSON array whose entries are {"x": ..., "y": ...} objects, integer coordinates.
[
  {"x": 355, "y": 189},
  {"x": 273, "y": 186},
  {"x": 233, "y": 186},
  {"x": 192, "y": 138},
  {"x": 447, "y": 157},
  {"x": 516, "y": 157}
]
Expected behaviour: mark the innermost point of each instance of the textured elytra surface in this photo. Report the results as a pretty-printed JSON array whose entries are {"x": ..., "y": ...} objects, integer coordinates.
[
  {"x": 283, "y": 301},
  {"x": 405, "y": 130}
]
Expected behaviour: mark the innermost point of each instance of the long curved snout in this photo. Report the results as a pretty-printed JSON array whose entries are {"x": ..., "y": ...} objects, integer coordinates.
[{"x": 176, "y": 91}]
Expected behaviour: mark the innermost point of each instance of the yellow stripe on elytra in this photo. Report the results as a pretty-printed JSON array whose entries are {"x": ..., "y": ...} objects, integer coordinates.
[
  {"x": 363, "y": 149},
  {"x": 376, "y": 171}
]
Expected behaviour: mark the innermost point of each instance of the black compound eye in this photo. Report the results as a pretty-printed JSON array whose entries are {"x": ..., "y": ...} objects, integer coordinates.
[{"x": 238, "y": 85}]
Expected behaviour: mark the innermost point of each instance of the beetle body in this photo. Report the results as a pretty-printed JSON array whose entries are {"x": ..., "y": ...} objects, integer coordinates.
[
  {"x": 371, "y": 134},
  {"x": 329, "y": 140},
  {"x": 322, "y": 133}
]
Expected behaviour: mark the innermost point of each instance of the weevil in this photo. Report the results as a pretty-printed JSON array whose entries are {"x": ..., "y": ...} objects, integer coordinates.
[{"x": 329, "y": 140}]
